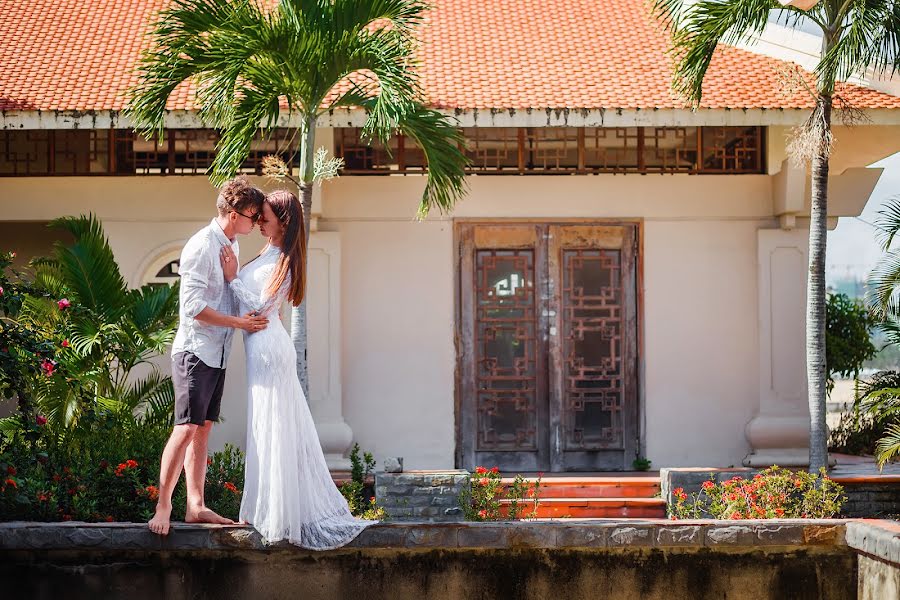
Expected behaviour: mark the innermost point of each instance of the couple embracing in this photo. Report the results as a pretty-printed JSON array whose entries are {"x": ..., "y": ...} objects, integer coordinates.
[{"x": 288, "y": 490}]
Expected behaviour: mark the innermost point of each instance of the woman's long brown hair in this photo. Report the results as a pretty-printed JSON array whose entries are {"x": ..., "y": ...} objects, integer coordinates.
[{"x": 293, "y": 245}]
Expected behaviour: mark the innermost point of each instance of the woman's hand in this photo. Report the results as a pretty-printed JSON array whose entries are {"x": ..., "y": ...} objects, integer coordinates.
[{"x": 229, "y": 263}]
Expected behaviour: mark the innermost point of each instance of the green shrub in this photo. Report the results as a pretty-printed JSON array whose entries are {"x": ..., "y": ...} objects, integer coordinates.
[
  {"x": 775, "y": 493},
  {"x": 362, "y": 504}
]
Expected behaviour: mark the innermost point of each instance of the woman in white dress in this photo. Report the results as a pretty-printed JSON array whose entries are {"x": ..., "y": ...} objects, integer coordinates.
[{"x": 288, "y": 491}]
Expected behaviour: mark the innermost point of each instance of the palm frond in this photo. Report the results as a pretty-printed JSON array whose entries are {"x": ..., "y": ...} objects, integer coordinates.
[
  {"x": 888, "y": 447},
  {"x": 89, "y": 267},
  {"x": 442, "y": 144},
  {"x": 698, "y": 29},
  {"x": 869, "y": 39},
  {"x": 883, "y": 286}
]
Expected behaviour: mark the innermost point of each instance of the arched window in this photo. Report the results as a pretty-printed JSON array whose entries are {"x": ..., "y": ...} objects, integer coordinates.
[{"x": 160, "y": 267}]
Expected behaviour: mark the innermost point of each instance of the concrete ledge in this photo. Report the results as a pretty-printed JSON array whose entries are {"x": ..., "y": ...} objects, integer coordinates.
[
  {"x": 546, "y": 534},
  {"x": 879, "y": 539}
]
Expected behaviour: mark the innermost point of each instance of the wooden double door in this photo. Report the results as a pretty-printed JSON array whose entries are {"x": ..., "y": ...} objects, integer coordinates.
[{"x": 547, "y": 346}]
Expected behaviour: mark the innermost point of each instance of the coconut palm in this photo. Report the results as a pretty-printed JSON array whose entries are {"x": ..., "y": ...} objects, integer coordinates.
[
  {"x": 257, "y": 64},
  {"x": 857, "y": 35}
]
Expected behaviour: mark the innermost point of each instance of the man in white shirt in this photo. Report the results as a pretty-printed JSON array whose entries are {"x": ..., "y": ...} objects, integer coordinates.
[{"x": 207, "y": 321}]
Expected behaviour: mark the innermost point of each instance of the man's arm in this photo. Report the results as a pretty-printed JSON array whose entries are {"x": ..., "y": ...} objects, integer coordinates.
[{"x": 248, "y": 322}]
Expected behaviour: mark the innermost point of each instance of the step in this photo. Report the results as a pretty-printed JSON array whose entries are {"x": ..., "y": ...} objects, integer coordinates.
[
  {"x": 623, "y": 508},
  {"x": 596, "y": 487}
]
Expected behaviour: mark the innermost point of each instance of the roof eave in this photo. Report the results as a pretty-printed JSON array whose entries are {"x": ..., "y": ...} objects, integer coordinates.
[{"x": 467, "y": 117}]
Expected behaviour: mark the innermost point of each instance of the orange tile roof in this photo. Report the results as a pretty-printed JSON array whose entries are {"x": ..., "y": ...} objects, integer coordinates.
[{"x": 80, "y": 55}]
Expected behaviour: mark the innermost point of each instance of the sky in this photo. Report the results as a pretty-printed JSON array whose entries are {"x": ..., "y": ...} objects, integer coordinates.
[{"x": 852, "y": 246}]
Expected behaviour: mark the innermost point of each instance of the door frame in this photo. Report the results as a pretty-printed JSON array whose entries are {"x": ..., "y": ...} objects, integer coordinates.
[{"x": 458, "y": 306}]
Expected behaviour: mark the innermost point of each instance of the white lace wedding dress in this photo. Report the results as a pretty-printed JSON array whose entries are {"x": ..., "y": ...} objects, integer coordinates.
[{"x": 288, "y": 490}]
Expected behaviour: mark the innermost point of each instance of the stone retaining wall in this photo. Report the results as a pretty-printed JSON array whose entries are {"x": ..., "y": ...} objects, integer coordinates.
[
  {"x": 647, "y": 560},
  {"x": 421, "y": 495}
]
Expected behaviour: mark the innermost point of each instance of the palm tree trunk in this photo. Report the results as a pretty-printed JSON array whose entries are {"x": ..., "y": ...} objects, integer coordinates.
[
  {"x": 298, "y": 313},
  {"x": 815, "y": 301}
]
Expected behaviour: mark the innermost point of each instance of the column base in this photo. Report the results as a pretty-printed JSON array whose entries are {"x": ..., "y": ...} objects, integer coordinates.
[{"x": 335, "y": 438}]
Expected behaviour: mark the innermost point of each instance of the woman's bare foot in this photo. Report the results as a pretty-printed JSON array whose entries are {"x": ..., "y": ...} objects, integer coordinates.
[
  {"x": 159, "y": 524},
  {"x": 204, "y": 515}
]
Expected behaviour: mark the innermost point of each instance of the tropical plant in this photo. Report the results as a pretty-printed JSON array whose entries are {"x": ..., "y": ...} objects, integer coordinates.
[
  {"x": 857, "y": 35},
  {"x": 848, "y": 343},
  {"x": 262, "y": 64},
  {"x": 107, "y": 335}
]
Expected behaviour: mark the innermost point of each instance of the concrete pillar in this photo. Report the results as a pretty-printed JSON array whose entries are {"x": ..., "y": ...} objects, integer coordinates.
[
  {"x": 324, "y": 347},
  {"x": 779, "y": 433}
]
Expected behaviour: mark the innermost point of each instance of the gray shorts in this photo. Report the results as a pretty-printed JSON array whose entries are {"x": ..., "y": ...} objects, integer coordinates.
[{"x": 198, "y": 389}]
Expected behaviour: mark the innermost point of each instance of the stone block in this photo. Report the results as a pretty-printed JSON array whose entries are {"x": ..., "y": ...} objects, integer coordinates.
[
  {"x": 680, "y": 535},
  {"x": 577, "y": 535},
  {"x": 433, "y": 536},
  {"x": 393, "y": 464},
  {"x": 731, "y": 535},
  {"x": 630, "y": 536}
]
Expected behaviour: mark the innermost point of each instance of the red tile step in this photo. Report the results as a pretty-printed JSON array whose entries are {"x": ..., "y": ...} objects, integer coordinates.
[
  {"x": 599, "y": 497},
  {"x": 599, "y": 508},
  {"x": 595, "y": 487}
]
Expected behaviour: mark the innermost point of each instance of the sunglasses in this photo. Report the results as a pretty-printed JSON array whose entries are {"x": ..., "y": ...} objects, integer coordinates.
[{"x": 254, "y": 217}]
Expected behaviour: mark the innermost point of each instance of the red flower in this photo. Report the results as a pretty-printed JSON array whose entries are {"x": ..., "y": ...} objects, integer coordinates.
[
  {"x": 673, "y": 517},
  {"x": 63, "y": 304},
  {"x": 495, "y": 470},
  {"x": 11, "y": 470},
  {"x": 485, "y": 482},
  {"x": 67, "y": 517},
  {"x": 798, "y": 483},
  {"x": 678, "y": 491},
  {"x": 779, "y": 512},
  {"x": 73, "y": 491},
  {"x": 48, "y": 366},
  {"x": 208, "y": 461},
  {"x": 41, "y": 420},
  {"x": 480, "y": 470},
  {"x": 482, "y": 513},
  {"x": 56, "y": 478},
  {"x": 65, "y": 344},
  {"x": 735, "y": 515},
  {"x": 708, "y": 485},
  {"x": 231, "y": 487},
  {"x": 1, "y": 290},
  {"x": 152, "y": 492},
  {"x": 12, "y": 484},
  {"x": 131, "y": 464},
  {"x": 109, "y": 519}
]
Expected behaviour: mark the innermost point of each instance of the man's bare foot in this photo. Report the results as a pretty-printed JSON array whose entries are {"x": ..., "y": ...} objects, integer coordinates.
[
  {"x": 159, "y": 524},
  {"x": 204, "y": 515}
]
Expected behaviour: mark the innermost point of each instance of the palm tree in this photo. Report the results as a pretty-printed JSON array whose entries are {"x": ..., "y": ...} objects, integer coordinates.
[
  {"x": 857, "y": 35},
  {"x": 302, "y": 58}
]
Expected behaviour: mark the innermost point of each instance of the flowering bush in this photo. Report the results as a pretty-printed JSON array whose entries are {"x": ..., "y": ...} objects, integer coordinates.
[
  {"x": 482, "y": 499},
  {"x": 357, "y": 491},
  {"x": 94, "y": 479},
  {"x": 775, "y": 493}
]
